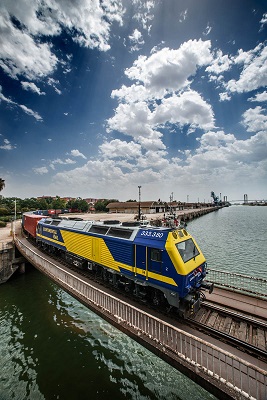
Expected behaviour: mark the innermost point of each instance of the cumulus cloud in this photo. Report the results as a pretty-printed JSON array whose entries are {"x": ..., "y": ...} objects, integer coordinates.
[
  {"x": 255, "y": 120},
  {"x": 21, "y": 51},
  {"x": 61, "y": 162},
  {"x": 254, "y": 73},
  {"x": 118, "y": 148},
  {"x": 221, "y": 63},
  {"x": 259, "y": 97},
  {"x": 40, "y": 171},
  {"x": 77, "y": 153},
  {"x": 160, "y": 95},
  {"x": 169, "y": 70},
  {"x": 187, "y": 109}
]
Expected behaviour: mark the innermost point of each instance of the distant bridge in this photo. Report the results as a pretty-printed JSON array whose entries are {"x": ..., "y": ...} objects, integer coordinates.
[{"x": 249, "y": 201}]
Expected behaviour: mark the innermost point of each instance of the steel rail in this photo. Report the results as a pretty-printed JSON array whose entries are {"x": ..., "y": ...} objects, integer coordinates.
[
  {"x": 228, "y": 338},
  {"x": 228, "y": 311}
]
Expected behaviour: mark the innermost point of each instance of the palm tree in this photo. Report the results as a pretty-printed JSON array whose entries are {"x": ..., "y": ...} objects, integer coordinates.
[{"x": 2, "y": 184}]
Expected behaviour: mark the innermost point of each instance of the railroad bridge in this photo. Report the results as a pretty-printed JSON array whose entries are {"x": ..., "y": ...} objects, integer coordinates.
[{"x": 217, "y": 368}]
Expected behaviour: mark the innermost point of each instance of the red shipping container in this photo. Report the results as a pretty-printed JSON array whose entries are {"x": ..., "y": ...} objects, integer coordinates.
[{"x": 30, "y": 223}]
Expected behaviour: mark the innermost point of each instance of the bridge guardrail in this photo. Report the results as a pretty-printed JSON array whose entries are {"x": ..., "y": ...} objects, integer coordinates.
[
  {"x": 244, "y": 379},
  {"x": 237, "y": 282}
]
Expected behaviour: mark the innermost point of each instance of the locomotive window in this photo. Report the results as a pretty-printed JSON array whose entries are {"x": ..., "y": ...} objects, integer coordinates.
[
  {"x": 55, "y": 222},
  {"x": 155, "y": 255},
  {"x": 79, "y": 225},
  {"x": 98, "y": 229},
  {"x": 122, "y": 233},
  {"x": 187, "y": 250}
]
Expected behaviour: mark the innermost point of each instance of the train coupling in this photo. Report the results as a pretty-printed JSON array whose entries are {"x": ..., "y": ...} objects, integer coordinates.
[{"x": 207, "y": 286}]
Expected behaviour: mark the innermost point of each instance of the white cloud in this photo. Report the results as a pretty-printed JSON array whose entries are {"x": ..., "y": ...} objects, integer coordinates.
[
  {"x": 169, "y": 70},
  {"x": 220, "y": 63},
  {"x": 143, "y": 12},
  {"x": 137, "y": 40},
  {"x": 61, "y": 162},
  {"x": 221, "y": 157},
  {"x": 30, "y": 112},
  {"x": 54, "y": 83},
  {"x": 41, "y": 170},
  {"x": 132, "y": 120},
  {"x": 183, "y": 15},
  {"x": 207, "y": 30},
  {"x": 263, "y": 21},
  {"x": 118, "y": 148},
  {"x": 259, "y": 97},
  {"x": 27, "y": 110},
  {"x": 7, "y": 145},
  {"x": 224, "y": 96},
  {"x": 255, "y": 120},
  {"x": 21, "y": 51},
  {"x": 32, "y": 87},
  {"x": 215, "y": 139},
  {"x": 20, "y": 54},
  {"x": 187, "y": 109},
  {"x": 254, "y": 74},
  {"x": 165, "y": 72},
  {"x": 77, "y": 153}
]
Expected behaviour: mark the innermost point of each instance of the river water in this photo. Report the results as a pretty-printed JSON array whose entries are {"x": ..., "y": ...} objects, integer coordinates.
[{"x": 53, "y": 347}]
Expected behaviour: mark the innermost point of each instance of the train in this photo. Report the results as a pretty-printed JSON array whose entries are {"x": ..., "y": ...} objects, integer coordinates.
[{"x": 160, "y": 265}]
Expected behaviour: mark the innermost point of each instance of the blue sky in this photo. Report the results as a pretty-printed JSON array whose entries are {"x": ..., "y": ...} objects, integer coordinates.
[{"x": 99, "y": 97}]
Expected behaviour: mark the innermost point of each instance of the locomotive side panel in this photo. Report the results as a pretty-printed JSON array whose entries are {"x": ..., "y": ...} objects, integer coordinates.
[{"x": 158, "y": 265}]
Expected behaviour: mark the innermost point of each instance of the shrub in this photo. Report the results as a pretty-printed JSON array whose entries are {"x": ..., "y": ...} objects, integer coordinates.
[
  {"x": 4, "y": 211},
  {"x": 2, "y": 224}
]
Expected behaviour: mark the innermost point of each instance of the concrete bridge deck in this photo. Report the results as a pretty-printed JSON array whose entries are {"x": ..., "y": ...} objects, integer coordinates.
[{"x": 221, "y": 371}]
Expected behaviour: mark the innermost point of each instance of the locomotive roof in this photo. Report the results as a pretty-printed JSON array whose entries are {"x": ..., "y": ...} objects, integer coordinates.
[{"x": 115, "y": 228}]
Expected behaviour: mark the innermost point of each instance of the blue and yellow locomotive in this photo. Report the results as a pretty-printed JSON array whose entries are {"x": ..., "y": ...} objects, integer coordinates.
[{"x": 158, "y": 265}]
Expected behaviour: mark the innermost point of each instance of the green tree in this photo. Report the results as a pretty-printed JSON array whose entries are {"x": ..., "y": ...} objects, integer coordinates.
[
  {"x": 42, "y": 204},
  {"x": 101, "y": 205},
  {"x": 2, "y": 184},
  {"x": 58, "y": 203},
  {"x": 83, "y": 206},
  {"x": 78, "y": 204}
]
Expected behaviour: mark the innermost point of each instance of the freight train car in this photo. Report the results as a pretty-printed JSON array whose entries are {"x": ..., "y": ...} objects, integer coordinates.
[
  {"x": 29, "y": 223},
  {"x": 160, "y": 265}
]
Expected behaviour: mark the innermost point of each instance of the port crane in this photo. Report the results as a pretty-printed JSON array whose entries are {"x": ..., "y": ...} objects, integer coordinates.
[{"x": 215, "y": 198}]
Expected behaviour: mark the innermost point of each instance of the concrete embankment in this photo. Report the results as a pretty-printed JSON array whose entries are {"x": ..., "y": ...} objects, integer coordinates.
[{"x": 185, "y": 215}]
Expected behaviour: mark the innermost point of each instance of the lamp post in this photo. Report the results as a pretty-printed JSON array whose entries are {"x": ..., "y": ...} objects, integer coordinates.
[
  {"x": 15, "y": 217},
  {"x": 139, "y": 206}
]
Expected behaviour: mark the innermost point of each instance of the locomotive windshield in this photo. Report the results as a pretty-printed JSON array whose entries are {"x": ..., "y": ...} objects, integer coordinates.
[{"x": 187, "y": 250}]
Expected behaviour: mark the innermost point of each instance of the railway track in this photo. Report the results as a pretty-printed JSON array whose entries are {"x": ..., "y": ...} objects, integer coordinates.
[{"x": 238, "y": 329}]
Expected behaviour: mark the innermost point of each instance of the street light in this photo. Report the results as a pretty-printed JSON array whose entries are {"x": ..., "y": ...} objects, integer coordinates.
[{"x": 139, "y": 207}]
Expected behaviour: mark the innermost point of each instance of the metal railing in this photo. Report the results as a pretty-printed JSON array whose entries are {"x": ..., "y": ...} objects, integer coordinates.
[
  {"x": 245, "y": 379},
  {"x": 237, "y": 282}
]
